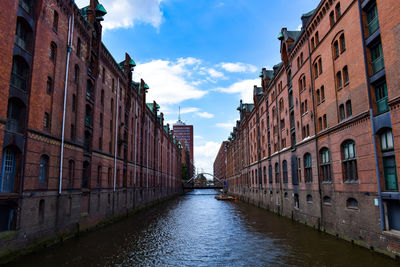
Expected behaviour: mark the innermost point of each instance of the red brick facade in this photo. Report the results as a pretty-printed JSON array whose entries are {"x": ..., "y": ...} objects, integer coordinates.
[
  {"x": 320, "y": 142},
  {"x": 117, "y": 153},
  {"x": 219, "y": 167}
]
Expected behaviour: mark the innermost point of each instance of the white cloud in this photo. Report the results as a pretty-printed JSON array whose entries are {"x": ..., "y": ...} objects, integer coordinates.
[
  {"x": 226, "y": 125},
  {"x": 244, "y": 88},
  {"x": 205, "y": 156},
  {"x": 205, "y": 115},
  {"x": 189, "y": 110},
  {"x": 238, "y": 67},
  {"x": 215, "y": 74},
  {"x": 299, "y": 27},
  {"x": 125, "y": 13},
  {"x": 169, "y": 81}
]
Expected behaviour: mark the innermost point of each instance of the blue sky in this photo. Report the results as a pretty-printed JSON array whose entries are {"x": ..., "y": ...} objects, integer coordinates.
[{"x": 202, "y": 55}]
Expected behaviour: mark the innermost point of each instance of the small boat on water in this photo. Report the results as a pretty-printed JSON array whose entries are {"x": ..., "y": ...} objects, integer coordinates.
[{"x": 224, "y": 197}]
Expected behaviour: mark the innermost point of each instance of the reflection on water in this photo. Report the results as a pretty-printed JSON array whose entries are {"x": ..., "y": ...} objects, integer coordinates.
[{"x": 198, "y": 230}]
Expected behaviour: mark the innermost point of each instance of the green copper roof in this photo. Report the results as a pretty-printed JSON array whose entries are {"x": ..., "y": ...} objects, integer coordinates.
[
  {"x": 280, "y": 36},
  {"x": 132, "y": 63},
  {"x": 146, "y": 86},
  {"x": 260, "y": 75},
  {"x": 150, "y": 105},
  {"x": 100, "y": 8}
]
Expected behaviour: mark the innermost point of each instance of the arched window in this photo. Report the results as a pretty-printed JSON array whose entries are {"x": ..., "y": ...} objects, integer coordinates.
[
  {"x": 88, "y": 141},
  {"x": 44, "y": 169},
  {"x": 265, "y": 175},
  {"x": 349, "y": 161},
  {"x": 389, "y": 160},
  {"x": 71, "y": 172},
  {"x": 327, "y": 200},
  {"x": 270, "y": 174},
  {"x": 55, "y": 21},
  {"x": 49, "y": 85},
  {"x": 85, "y": 174},
  {"x": 76, "y": 74},
  {"x": 352, "y": 203},
  {"x": 78, "y": 47},
  {"x": 309, "y": 199},
  {"x": 23, "y": 35},
  {"x": 322, "y": 93},
  {"x": 277, "y": 177},
  {"x": 109, "y": 175},
  {"x": 296, "y": 201},
  {"x": 89, "y": 90},
  {"x": 9, "y": 172},
  {"x": 46, "y": 121},
  {"x": 19, "y": 74},
  {"x": 325, "y": 166},
  {"x": 285, "y": 172},
  {"x": 316, "y": 38},
  {"x": 342, "y": 43},
  {"x": 336, "y": 49},
  {"x": 342, "y": 112},
  {"x": 99, "y": 175},
  {"x": 348, "y": 108},
  {"x": 41, "y": 211},
  {"x": 308, "y": 168},
  {"x": 345, "y": 75},
  {"x": 53, "y": 52},
  {"x": 318, "y": 96},
  {"x": 339, "y": 82},
  {"x": 88, "y": 116},
  {"x": 15, "y": 115},
  {"x": 332, "y": 18},
  {"x": 320, "y": 66},
  {"x": 338, "y": 11}
]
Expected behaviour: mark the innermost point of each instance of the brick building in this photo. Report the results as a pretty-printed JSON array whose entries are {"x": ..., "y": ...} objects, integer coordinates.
[
  {"x": 320, "y": 142},
  {"x": 78, "y": 143},
  {"x": 219, "y": 167}
]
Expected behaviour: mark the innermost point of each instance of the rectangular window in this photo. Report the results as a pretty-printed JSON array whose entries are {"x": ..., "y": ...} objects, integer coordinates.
[
  {"x": 339, "y": 80},
  {"x": 381, "y": 98},
  {"x": 345, "y": 75},
  {"x": 377, "y": 58},
  {"x": 325, "y": 122},
  {"x": 49, "y": 85},
  {"x": 348, "y": 109},
  {"x": 72, "y": 132},
  {"x": 342, "y": 112},
  {"x": 46, "y": 120},
  {"x": 372, "y": 20}
]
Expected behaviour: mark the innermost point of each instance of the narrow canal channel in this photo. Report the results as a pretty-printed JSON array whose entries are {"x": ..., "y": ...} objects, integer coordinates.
[{"x": 197, "y": 230}]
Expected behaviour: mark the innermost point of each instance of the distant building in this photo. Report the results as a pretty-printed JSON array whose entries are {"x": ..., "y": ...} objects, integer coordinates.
[
  {"x": 184, "y": 133},
  {"x": 220, "y": 162}
]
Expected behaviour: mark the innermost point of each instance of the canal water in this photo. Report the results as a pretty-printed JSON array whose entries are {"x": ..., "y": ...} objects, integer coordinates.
[{"x": 197, "y": 230}]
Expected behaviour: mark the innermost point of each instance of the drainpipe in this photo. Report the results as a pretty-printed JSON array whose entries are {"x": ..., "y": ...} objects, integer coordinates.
[
  {"x": 116, "y": 136},
  {"x": 69, "y": 48},
  {"x": 315, "y": 129},
  {"x": 136, "y": 118},
  {"x": 147, "y": 153},
  {"x": 378, "y": 180}
]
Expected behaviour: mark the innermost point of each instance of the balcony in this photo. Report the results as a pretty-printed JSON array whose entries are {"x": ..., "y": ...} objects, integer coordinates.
[
  {"x": 377, "y": 65},
  {"x": 373, "y": 25},
  {"x": 382, "y": 105}
]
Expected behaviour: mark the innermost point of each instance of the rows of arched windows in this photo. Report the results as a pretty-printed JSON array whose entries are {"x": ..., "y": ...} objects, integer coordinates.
[{"x": 348, "y": 163}]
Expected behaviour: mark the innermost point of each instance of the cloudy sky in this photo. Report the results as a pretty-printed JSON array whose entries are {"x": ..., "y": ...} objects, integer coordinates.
[{"x": 201, "y": 55}]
